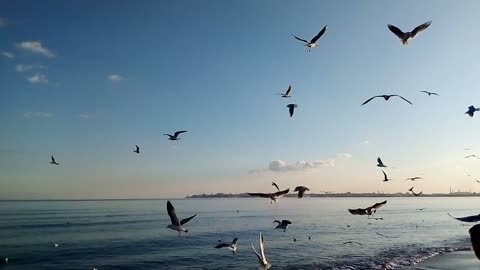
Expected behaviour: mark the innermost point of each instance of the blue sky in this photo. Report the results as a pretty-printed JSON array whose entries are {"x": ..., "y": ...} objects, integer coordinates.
[{"x": 213, "y": 68}]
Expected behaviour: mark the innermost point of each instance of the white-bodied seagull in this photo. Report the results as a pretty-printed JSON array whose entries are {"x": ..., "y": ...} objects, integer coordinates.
[
  {"x": 176, "y": 224},
  {"x": 312, "y": 43},
  {"x": 404, "y": 37},
  {"x": 261, "y": 257},
  {"x": 232, "y": 246}
]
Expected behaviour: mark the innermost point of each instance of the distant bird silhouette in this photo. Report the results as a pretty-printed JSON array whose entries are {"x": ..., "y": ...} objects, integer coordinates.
[
  {"x": 352, "y": 242},
  {"x": 261, "y": 256},
  {"x": 174, "y": 137},
  {"x": 478, "y": 181},
  {"x": 375, "y": 218},
  {"x": 414, "y": 178},
  {"x": 286, "y": 94},
  {"x": 386, "y": 97},
  {"x": 472, "y": 156},
  {"x": 385, "y": 179},
  {"x": 472, "y": 110},
  {"x": 380, "y": 163},
  {"x": 367, "y": 211},
  {"x": 468, "y": 218},
  {"x": 309, "y": 237},
  {"x": 430, "y": 93},
  {"x": 301, "y": 190},
  {"x": 386, "y": 236},
  {"x": 404, "y": 37},
  {"x": 420, "y": 209},
  {"x": 272, "y": 196},
  {"x": 283, "y": 224},
  {"x": 53, "y": 162},
  {"x": 312, "y": 43},
  {"x": 294, "y": 239},
  {"x": 275, "y": 185},
  {"x": 176, "y": 224},
  {"x": 413, "y": 192},
  {"x": 232, "y": 246},
  {"x": 291, "y": 108},
  {"x": 137, "y": 149},
  {"x": 475, "y": 239}
]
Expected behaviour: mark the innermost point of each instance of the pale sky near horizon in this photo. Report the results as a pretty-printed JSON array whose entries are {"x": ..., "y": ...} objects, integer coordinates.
[{"x": 86, "y": 81}]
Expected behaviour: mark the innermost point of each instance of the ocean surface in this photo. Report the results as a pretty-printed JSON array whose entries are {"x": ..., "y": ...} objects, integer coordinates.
[{"x": 131, "y": 234}]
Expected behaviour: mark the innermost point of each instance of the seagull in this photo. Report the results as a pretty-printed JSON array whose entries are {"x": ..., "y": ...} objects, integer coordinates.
[
  {"x": 137, "y": 150},
  {"x": 380, "y": 163},
  {"x": 413, "y": 192},
  {"x": 472, "y": 110},
  {"x": 471, "y": 156},
  {"x": 261, "y": 257},
  {"x": 420, "y": 209},
  {"x": 55, "y": 245},
  {"x": 404, "y": 37},
  {"x": 174, "y": 137},
  {"x": 413, "y": 178},
  {"x": 430, "y": 93},
  {"x": 54, "y": 162},
  {"x": 386, "y": 236},
  {"x": 294, "y": 239},
  {"x": 282, "y": 225},
  {"x": 385, "y": 179},
  {"x": 291, "y": 108},
  {"x": 286, "y": 94},
  {"x": 309, "y": 237},
  {"x": 272, "y": 196},
  {"x": 386, "y": 97},
  {"x": 352, "y": 242},
  {"x": 301, "y": 190},
  {"x": 475, "y": 239},
  {"x": 177, "y": 225},
  {"x": 367, "y": 211},
  {"x": 467, "y": 219},
  {"x": 311, "y": 44},
  {"x": 478, "y": 181},
  {"x": 376, "y": 218},
  {"x": 275, "y": 185},
  {"x": 232, "y": 246}
]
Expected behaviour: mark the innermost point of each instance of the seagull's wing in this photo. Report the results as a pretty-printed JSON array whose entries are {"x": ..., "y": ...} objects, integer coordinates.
[
  {"x": 168, "y": 135},
  {"x": 281, "y": 193},
  {"x": 288, "y": 90},
  {"x": 420, "y": 28},
  {"x": 171, "y": 213},
  {"x": 286, "y": 222},
  {"x": 275, "y": 185},
  {"x": 261, "y": 195},
  {"x": 185, "y": 220},
  {"x": 396, "y": 31},
  {"x": 378, "y": 205},
  {"x": 234, "y": 242},
  {"x": 385, "y": 175},
  {"x": 262, "y": 247},
  {"x": 368, "y": 100},
  {"x": 358, "y": 211},
  {"x": 301, "y": 192},
  {"x": 403, "y": 99},
  {"x": 300, "y": 39},
  {"x": 222, "y": 245},
  {"x": 256, "y": 253},
  {"x": 379, "y": 160},
  {"x": 179, "y": 132},
  {"x": 315, "y": 38},
  {"x": 53, "y": 160},
  {"x": 465, "y": 157},
  {"x": 468, "y": 219}
]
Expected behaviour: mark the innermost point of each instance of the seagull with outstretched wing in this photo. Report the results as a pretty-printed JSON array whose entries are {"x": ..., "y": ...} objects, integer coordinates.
[
  {"x": 301, "y": 190},
  {"x": 275, "y": 185},
  {"x": 291, "y": 109},
  {"x": 282, "y": 224},
  {"x": 430, "y": 93},
  {"x": 380, "y": 163},
  {"x": 272, "y": 196},
  {"x": 367, "y": 211},
  {"x": 287, "y": 93},
  {"x": 385, "y": 179},
  {"x": 468, "y": 218},
  {"x": 177, "y": 225},
  {"x": 137, "y": 149},
  {"x": 404, "y": 37},
  {"x": 386, "y": 97},
  {"x": 53, "y": 162},
  {"x": 261, "y": 256},
  {"x": 232, "y": 246},
  {"x": 175, "y": 137},
  {"x": 312, "y": 43}
]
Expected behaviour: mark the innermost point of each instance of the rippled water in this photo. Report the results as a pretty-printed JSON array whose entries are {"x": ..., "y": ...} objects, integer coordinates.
[{"x": 131, "y": 234}]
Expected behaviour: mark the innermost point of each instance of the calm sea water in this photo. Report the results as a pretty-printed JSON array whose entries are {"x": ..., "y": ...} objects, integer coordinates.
[{"x": 131, "y": 234}]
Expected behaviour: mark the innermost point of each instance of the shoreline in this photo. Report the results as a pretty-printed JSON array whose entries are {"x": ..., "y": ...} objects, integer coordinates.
[{"x": 458, "y": 260}]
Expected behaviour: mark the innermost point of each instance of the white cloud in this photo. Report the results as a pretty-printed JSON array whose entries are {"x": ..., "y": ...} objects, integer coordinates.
[
  {"x": 38, "y": 78},
  {"x": 23, "y": 68},
  {"x": 345, "y": 155},
  {"x": 299, "y": 166},
  {"x": 115, "y": 78},
  {"x": 8, "y": 54},
  {"x": 35, "y": 47},
  {"x": 37, "y": 115}
]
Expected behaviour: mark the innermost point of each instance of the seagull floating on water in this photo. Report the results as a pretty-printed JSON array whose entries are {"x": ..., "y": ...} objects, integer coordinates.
[
  {"x": 286, "y": 94},
  {"x": 404, "y": 37},
  {"x": 385, "y": 177},
  {"x": 53, "y": 162},
  {"x": 272, "y": 196},
  {"x": 380, "y": 163},
  {"x": 413, "y": 178},
  {"x": 174, "y": 137},
  {"x": 232, "y": 246},
  {"x": 367, "y": 211},
  {"x": 291, "y": 109},
  {"x": 261, "y": 257},
  {"x": 137, "y": 149},
  {"x": 468, "y": 218},
  {"x": 282, "y": 225},
  {"x": 472, "y": 110},
  {"x": 312, "y": 43},
  {"x": 386, "y": 97},
  {"x": 177, "y": 225},
  {"x": 430, "y": 93},
  {"x": 275, "y": 185},
  {"x": 301, "y": 190}
]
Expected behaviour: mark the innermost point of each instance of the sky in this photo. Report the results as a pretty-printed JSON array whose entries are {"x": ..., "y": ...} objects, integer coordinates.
[{"x": 86, "y": 81}]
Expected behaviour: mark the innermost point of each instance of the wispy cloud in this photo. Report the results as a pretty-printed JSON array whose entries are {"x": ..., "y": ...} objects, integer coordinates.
[
  {"x": 345, "y": 155},
  {"x": 8, "y": 54},
  {"x": 115, "y": 78},
  {"x": 37, "y": 115},
  {"x": 85, "y": 116},
  {"x": 35, "y": 47},
  {"x": 299, "y": 166},
  {"x": 38, "y": 78},
  {"x": 23, "y": 68}
]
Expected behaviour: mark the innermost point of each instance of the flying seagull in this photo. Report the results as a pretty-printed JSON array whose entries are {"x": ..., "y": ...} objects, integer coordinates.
[
  {"x": 367, "y": 211},
  {"x": 137, "y": 149},
  {"x": 232, "y": 246},
  {"x": 282, "y": 225},
  {"x": 413, "y": 178},
  {"x": 312, "y": 43},
  {"x": 301, "y": 190},
  {"x": 386, "y": 178},
  {"x": 286, "y": 94},
  {"x": 478, "y": 181},
  {"x": 472, "y": 156},
  {"x": 261, "y": 257},
  {"x": 380, "y": 163},
  {"x": 404, "y": 37},
  {"x": 472, "y": 110},
  {"x": 174, "y": 137},
  {"x": 413, "y": 192},
  {"x": 53, "y": 162},
  {"x": 272, "y": 196},
  {"x": 352, "y": 242},
  {"x": 430, "y": 93},
  {"x": 291, "y": 108},
  {"x": 177, "y": 225},
  {"x": 467, "y": 219},
  {"x": 386, "y": 97},
  {"x": 275, "y": 185}
]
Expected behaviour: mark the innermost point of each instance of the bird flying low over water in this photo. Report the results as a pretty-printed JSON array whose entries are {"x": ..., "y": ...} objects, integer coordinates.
[
  {"x": 430, "y": 93},
  {"x": 174, "y": 137},
  {"x": 53, "y": 162},
  {"x": 472, "y": 110},
  {"x": 275, "y": 185},
  {"x": 367, "y": 211},
  {"x": 472, "y": 156},
  {"x": 301, "y": 190},
  {"x": 137, "y": 149},
  {"x": 380, "y": 163},
  {"x": 352, "y": 242},
  {"x": 176, "y": 224},
  {"x": 283, "y": 224},
  {"x": 286, "y": 94},
  {"x": 413, "y": 178},
  {"x": 272, "y": 196},
  {"x": 404, "y": 37},
  {"x": 312, "y": 43},
  {"x": 413, "y": 192},
  {"x": 261, "y": 257},
  {"x": 232, "y": 246},
  {"x": 386, "y": 97},
  {"x": 468, "y": 218},
  {"x": 291, "y": 108},
  {"x": 385, "y": 177}
]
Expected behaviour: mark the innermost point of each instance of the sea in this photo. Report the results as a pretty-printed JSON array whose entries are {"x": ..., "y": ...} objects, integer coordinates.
[{"x": 132, "y": 234}]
